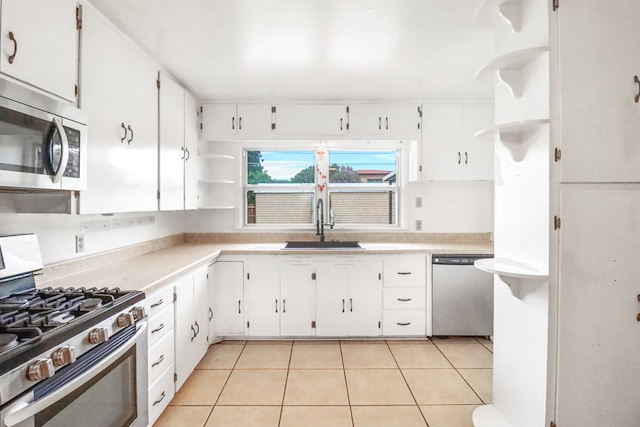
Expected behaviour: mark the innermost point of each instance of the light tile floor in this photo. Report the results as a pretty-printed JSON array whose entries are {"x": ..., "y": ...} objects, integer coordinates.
[{"x": 434, "y": 383}]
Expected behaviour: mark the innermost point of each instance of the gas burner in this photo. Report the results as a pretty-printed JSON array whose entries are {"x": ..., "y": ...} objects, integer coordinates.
[
  {"x": 13, "y": 303},
  {"x": 91, "y": 304},
  {"x": 8, "y": 341}
]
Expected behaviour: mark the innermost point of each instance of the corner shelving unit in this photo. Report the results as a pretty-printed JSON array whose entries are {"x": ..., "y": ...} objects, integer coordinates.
[
  {"x": 490, "y": 11},
  {"x": 507, "y": 68},
  {"x": 217, "y": 190},
  {"x": 512, "y": 272}
]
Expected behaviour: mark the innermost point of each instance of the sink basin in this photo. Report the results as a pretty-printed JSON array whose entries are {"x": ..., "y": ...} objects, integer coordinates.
[{"x": 315, "y": 244}]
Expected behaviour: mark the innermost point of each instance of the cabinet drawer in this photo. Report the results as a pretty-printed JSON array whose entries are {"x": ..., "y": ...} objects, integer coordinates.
[
  {"x": 404, "y": 271},
  {"x": 160, "y": 324},
  {"x": 161, "y": 355},
  {"x": 405, "y": 322},
  {"x": 160, "y": 394},
  {"x": 403, "y": 298},
  {"x": 159, "y": 300}
]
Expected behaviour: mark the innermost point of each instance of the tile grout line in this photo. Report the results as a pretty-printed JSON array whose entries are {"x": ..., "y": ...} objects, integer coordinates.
[
  {"x": 406, "y": 382},
  {"x": 458, "y": 372},
  {"x": 346, "y": 384},
  {"x": 225, "y": 383},
  {"x": 286, "y": 380}
]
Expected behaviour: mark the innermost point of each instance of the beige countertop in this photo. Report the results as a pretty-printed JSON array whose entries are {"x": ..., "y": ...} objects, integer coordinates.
[{"x": 151, "y": 270}]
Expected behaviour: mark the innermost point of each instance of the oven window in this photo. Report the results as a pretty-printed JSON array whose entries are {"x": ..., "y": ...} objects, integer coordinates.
[{"x": 107, "y": 400}]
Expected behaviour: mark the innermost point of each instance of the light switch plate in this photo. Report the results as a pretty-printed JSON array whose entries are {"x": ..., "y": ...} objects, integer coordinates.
[{"x": 79, "y": 243}]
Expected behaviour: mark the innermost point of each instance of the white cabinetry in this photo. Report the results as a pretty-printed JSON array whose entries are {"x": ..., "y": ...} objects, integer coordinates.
[
  {"x": 349, "y": 297},
  {"x": 296, "y": 291},
  {"x": 161, "y": 351},
  {"x": 120, "y": 95},
  {"x": 227, "y": 283},
  {"x": 39, "y": 43},
  {"x": 264, "y": 304},
  {"x": 449, "y": 148},
  {"x": 404, "y": 302},
  {"x": 222, "y": 122},
  {"x": 302, "y": 119},
  {"x": 384, "y": 119},
  {"x": 178, "y": 147},
  {"x": 191, "y": 324}
]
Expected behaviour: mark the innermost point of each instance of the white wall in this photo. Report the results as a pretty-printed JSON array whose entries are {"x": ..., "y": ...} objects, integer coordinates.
[{"x": 56, "y": 232}]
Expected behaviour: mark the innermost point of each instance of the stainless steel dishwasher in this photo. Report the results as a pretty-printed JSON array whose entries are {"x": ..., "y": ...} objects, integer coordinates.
[{"x": 462, "y": 297}]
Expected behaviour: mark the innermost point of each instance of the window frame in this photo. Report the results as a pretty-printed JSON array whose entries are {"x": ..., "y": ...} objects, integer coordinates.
[{"x": 401, "y": 149}]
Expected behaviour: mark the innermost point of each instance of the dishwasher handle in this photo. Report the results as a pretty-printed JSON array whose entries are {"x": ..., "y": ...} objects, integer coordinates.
[{"x": 458, "y": 259}]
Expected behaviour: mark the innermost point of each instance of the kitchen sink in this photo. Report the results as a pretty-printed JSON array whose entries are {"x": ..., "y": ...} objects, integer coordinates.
[{"x": 316, "y": 244}]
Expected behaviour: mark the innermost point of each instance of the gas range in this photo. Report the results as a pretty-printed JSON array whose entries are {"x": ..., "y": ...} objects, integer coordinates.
[{"x": 49, "y": 337}]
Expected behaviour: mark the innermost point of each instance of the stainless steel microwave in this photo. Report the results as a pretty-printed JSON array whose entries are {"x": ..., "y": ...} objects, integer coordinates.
[{"x": 43, "y": 141}]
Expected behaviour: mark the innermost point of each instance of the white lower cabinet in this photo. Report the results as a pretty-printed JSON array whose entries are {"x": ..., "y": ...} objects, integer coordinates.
[
  {"x": 296, "y": 290},
  {"x": 349, "y": 297},
  {"x": 227, "y": 283},
  {"x": 191, "y": 322},
  {"x": 161, "y": 351},
  {"x": 404, "y": 296}
]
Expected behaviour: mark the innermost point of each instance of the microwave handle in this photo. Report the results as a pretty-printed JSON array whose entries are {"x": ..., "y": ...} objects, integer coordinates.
[
  {"x": 24, "y": 413},
  {"x": 64, "y": 155}
]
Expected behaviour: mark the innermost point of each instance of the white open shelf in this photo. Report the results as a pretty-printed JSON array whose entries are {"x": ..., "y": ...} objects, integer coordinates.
[
  {"x": 507, "y": 68},
  {"x": 514, "y": 132},
  {"x": 489, "y": 12},
  {"x": 216, "y": 207},
  {"x": 216, "y": 156},
  {"x": 512, "y": 272},
  {"x": 216, "y": 181}
]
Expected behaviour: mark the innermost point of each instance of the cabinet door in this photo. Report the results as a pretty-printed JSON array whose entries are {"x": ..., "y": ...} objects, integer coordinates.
[
  {"x": 401, "y": 120},
  {"x": 296, "y": 291},
  {"x": 228, "y": 310},
  {"x": 332, "y": 303},
  {"x": 597, "y": 308},
  {"x": 45, "y": 47},
  {"x": 191, "y": 147},
  {"x": 366, "y": 119},
  {"x": 101, "y": 98},
  {"x": 263, "y": 298},
  {"x": 291, "y": 119},
  {"x": 200, "y": 312},
  {"x": 254, "y": 120},
  {"x": 172, "y": 154},
  {"x": 141, "y": 107},
  {"x": 478, "y": 158},
  {"x": 184, "y": 329},
  {"x": 598, "y": 44},
  {"x": 219, "y": 122},
  {"x": 365, "y": 299},
  {"x": 442, "y": 126}
]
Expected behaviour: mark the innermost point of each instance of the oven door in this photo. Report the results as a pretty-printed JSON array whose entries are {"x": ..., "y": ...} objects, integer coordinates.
[{"x": 111, "y": 392}]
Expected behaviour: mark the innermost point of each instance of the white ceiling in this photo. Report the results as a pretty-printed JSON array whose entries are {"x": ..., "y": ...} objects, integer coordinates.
[{"x": 313, "y": 49}]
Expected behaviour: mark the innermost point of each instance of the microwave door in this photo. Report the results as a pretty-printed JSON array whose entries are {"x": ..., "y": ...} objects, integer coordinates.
[{"x": 74, "y": 177}]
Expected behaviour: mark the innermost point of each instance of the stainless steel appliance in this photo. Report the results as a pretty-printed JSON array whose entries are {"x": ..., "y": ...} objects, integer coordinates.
[
  {"x": 462, "y": 297},
  {"x": 42, "y": 141},
  {"x": 68, "y": 357}
]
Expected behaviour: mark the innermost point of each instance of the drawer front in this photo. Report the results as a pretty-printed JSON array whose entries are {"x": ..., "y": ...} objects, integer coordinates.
[
  {"x": 403, "y": 299},
  {"x": 160, "y": 394},
  {"x": 161, "y": 355},
  {"x": 159, "y": 300},
  {"x": 160, "y": 324},
  {"x": 403, "y": 323},
  {"x": 404, "y": 272}
]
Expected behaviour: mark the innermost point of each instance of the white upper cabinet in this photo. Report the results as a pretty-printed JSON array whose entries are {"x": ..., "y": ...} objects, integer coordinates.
[
  {"x": 450, "y": 150},
  {"x": 120, "y": 96},
  {"x": 39, "y": 44},
  {"x": 172, "y": 151},
  {"x": 384, "y": 119},
  {"x": 191, "y": 152},
  {"x": 235, "y": 121},
  {"x": 302, "y": 119}
]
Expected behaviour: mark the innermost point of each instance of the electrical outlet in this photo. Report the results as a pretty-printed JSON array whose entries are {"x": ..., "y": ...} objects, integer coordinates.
[
  {"x": 418, "y": 202},
  {"x": 79, "y": 243},
  {"x": 418, "y": 225}
]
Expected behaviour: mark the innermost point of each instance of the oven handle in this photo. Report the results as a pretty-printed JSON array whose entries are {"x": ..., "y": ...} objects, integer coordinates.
[{"x": 26, "y": 412}]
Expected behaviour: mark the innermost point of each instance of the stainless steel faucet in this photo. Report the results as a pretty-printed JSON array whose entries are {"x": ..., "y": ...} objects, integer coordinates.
[{"x": 320, "y": 220}]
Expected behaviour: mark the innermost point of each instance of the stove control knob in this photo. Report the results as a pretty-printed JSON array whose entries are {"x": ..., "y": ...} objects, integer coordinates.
[
  {"x": 98, "y": 335},
  {"x": 125, "y": 319},
  {"x": 63, "y": 356},
  {"x": 138, "y": 313},
  {"x": 40, "y": 370}
]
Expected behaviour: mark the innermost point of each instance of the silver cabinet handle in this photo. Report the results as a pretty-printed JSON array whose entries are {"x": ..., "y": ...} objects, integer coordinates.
[
  {"x": 162, "y": 396},
  {"x": 158, "y": 329},
  {"x": 154, "y": 305},
  {"x": 154, "y": 364},
  {"x": 403, "y": 323},
  {"x": 183, "y": 154},
  {"x": 64, "y": 151},
  {"x": 188, "y": 154},
  {"x": 131, "y": 132},
  {"x": 198, "y": 330},
  {"x": 404, "y": 299}
]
